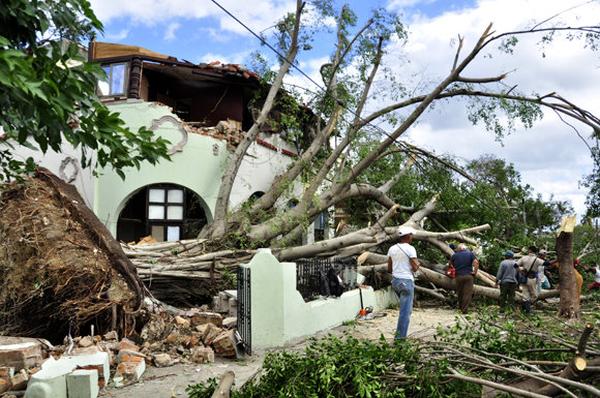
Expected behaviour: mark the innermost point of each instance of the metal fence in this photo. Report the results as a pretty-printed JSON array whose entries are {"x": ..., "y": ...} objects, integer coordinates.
[
  {"x": 314, "y": 276},
  {"x": 244, "y": 318}
]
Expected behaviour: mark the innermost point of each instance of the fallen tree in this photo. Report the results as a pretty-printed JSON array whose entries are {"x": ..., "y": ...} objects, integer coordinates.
[
  {"x": 329, "y": 177},
  {"x": 62, "y": 269}
]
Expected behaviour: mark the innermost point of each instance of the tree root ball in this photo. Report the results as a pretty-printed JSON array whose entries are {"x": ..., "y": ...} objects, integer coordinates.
[{"x": 60, "y": 271}]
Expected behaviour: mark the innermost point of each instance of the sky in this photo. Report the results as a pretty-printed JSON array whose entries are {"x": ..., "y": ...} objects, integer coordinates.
[{"x": 549, "y": 156}]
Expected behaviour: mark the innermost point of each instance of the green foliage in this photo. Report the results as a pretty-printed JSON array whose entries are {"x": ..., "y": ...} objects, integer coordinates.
[
  {"x": 346, "y": 367},
  {"x": 47, "y": 90},
  {"x": 499, "y": 115},
  {"x": 514, "y": 336}
]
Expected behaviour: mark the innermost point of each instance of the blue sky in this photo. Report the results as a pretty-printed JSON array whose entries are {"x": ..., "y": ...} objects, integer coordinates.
[
  {"x": 192, "y": 38},
  {"x": 550, "y": 156}
]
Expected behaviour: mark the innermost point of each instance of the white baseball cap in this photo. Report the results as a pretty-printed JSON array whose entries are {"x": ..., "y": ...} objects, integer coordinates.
[{"x": 402, "y": 231}]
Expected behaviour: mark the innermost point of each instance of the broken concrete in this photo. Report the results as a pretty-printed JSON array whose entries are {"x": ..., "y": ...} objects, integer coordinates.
[{"x": 20, "y": 352}]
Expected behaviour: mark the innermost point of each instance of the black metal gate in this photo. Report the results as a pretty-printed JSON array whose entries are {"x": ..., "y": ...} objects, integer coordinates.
[{"x": 244, "y": 318}]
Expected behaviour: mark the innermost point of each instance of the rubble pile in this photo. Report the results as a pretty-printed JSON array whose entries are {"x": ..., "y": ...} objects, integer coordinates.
[
  {"x": 82, "y": 366},
  {"x": 61, "y": 269},
  {"x": 228, "y": 130},
  {"x": 196, "y": 336}
]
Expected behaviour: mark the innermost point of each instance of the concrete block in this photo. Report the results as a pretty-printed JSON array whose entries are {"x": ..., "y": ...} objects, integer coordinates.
[
  {"x": 99, "y": 361},
  {"x": 82, "y": 384},
  {"x": 20, "y": 353},
  {"x": 50, "y": 381}
]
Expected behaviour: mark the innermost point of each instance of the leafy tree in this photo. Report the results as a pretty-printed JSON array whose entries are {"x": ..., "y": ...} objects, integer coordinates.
[{"x": 47, "y": 90}]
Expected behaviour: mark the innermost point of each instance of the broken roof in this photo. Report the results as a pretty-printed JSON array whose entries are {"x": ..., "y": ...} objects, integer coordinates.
[{"x": 113, "y": 52}]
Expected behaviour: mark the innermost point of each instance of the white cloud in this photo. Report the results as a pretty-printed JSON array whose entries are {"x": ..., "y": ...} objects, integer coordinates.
[
  {"x": 233, "y": 58},
  {"x": 258, "y": 14},
  {"x": 550, "y": 156},
  {"x": 171, "y": 29},
  {"x": 117, "y": 36}
]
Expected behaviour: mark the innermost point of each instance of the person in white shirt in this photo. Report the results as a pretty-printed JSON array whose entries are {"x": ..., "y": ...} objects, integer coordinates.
[{"x": 402, "y": 263}]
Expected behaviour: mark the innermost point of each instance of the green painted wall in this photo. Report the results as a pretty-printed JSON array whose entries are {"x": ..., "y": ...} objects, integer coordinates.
[
  {"x": 197, "y": 167},
  {"x": 280, "y": 315}
]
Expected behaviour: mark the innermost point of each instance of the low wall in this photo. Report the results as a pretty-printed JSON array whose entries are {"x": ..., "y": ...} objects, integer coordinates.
[{"x": 279, "y": 313}]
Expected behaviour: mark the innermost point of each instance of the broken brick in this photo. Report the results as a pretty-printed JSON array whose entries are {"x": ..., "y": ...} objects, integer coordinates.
[
  {"x": 19, "y": 381},
  {"x": 128, "y": 373},
  {"x": 201, "y": 318},
  {"x": 126, "y": 344},
  {"x": 211, "y": 333},
  {"x": 225, "y": 344}
]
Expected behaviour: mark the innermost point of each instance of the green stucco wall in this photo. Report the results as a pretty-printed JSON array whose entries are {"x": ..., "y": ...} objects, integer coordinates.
[
  {"x": 198, "y": 167},
  {"x": 279, "y": 314}
]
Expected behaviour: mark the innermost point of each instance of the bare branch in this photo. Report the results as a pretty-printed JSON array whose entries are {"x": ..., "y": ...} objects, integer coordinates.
[{"x": 461, "y": 40}]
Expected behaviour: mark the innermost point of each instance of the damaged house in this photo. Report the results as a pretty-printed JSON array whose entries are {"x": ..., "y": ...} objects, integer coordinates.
[{"x": 203, "y": 111}]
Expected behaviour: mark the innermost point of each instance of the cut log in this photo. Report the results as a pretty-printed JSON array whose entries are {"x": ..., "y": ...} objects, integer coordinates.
[{"x": 223, "y": 390}]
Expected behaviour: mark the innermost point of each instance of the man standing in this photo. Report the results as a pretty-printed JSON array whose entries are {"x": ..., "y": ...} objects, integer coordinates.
[
  {"x": 507, "y": 278},
  {"x": 528, "y": 266},
  {"x": 402, "y": 263},
  {"x": 466, "y": 265}
]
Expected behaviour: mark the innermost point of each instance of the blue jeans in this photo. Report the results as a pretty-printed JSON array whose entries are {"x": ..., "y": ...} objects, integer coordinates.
[{"x": 405, "y": 290}]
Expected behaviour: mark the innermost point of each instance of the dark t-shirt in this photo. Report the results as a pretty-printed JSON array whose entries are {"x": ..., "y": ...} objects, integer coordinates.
[{"x": 463, "y": 262}]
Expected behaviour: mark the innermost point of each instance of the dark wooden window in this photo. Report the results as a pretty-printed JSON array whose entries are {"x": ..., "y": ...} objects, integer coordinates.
[{"x": 167, "y": 212}]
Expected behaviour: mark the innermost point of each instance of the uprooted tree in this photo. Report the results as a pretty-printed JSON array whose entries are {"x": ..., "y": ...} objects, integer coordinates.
[{"x": 331, "y": 176}]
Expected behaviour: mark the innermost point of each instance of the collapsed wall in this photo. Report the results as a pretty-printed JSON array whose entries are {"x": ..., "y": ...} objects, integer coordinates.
[{"x": 61, "y": 269}]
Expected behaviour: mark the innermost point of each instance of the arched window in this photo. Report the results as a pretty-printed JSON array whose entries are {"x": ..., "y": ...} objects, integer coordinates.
[{"x": 167, "y": 212}]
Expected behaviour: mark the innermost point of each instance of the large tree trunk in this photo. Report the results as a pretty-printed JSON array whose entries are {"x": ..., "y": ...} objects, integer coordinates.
[{"x": 569, "y": 294}]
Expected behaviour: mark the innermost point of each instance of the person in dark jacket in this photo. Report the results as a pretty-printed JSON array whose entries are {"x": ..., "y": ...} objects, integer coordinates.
[
  {"x": 507, "y": 279},
  {"x": 466, "y": 265}
]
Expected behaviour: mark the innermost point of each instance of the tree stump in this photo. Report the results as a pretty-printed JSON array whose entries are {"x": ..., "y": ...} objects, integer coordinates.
[{"x": 569, "y": 294}]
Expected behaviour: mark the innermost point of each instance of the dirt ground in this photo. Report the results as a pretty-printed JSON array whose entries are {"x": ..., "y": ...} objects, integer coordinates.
[{"x": 171, "y": 382}]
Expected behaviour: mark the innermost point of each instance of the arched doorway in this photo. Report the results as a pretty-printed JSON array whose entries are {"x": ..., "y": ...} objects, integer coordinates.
[{"x": 167, "y": 212}]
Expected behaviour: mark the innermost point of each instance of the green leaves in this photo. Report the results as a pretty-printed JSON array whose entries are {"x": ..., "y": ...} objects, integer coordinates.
[{"x": 45, "y": 103}]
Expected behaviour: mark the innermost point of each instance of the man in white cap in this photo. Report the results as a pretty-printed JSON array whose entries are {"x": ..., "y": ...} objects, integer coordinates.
[{"x": 402, "y": 263}]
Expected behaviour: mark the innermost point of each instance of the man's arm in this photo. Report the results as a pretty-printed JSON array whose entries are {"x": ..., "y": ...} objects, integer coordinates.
[
  {"x": 389, "y": 264},
  {"x": 500, "y": 274},
  {"x": 414, "y": 264}
]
